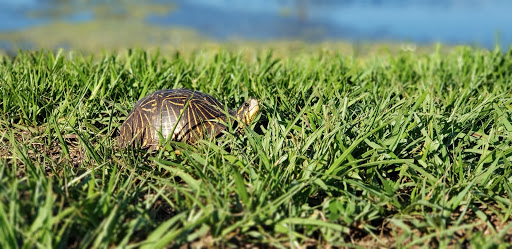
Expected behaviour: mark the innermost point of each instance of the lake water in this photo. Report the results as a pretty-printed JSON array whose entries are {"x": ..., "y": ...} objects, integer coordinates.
[{"x": 470, "y": 22}]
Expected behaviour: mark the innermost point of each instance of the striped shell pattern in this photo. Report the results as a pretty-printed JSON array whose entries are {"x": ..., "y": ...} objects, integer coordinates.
[{"x": 163, "y": 112}]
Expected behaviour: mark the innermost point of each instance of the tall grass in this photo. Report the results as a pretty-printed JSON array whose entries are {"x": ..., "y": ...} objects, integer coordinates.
[{"x": 398, "y": 151}]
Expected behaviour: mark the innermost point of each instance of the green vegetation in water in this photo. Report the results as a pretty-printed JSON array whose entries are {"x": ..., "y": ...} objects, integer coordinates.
[
  {"x": 396, "y": 151},
  {"x": 122, "y": 10},
  {"x": 128, "y": 29}
]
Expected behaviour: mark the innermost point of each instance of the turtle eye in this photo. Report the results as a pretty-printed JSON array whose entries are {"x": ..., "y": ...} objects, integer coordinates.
[{"x": 246, "y": 104}]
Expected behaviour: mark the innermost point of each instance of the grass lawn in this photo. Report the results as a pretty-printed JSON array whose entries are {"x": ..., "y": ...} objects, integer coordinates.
[{"x": 399, "y": 150}]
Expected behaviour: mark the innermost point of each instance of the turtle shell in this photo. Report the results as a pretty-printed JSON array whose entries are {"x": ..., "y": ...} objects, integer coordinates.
[{"x": 183, "y": 114}]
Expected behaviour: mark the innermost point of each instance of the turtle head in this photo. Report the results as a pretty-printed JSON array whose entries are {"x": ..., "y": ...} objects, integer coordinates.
[{"x": 248, "y": 111}]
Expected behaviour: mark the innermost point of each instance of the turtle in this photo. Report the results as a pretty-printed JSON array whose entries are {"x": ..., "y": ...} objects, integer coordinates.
[{"x": 183, "y": 114}]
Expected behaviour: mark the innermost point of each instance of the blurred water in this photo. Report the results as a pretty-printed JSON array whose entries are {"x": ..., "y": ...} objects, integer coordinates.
[
  {"x": 421, "y": 21},
  {"x": 20, "y": 14},
  {"x": 13, "y": 14}
]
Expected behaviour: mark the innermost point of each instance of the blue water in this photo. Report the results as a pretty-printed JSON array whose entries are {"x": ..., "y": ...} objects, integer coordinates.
[
  {"x": 470, "y": 22},
  {"x": 19, "y": 14},
  {"x": 13, "y": 15}
]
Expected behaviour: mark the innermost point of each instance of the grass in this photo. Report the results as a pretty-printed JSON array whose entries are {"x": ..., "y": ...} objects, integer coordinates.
[{"x": 405, "y": 150}]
